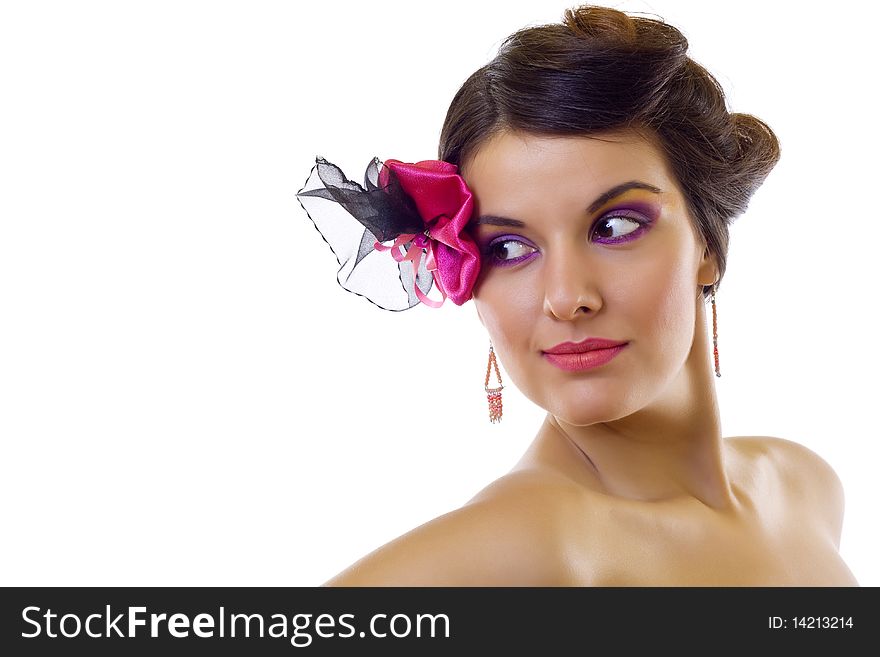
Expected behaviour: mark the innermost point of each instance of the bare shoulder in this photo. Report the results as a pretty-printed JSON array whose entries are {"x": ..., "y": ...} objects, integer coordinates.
[
  {"x": 799, "y": 464},
  {"x": 810, "y": 479},
  {"x": 504, "y": 536}
]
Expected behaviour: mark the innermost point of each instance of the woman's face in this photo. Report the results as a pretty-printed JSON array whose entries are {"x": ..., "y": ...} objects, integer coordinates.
[{"x": 585, "y": 237}]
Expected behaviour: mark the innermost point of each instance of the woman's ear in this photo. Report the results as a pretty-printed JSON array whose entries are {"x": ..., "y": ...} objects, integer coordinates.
[{"x": 707, "y": 274}]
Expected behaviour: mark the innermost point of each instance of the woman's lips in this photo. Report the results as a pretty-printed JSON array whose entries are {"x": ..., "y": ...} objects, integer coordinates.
[{"x": 584, "y": 360}]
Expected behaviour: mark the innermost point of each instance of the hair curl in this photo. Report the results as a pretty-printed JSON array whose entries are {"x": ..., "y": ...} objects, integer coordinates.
[{"x": 602, "y": 70}]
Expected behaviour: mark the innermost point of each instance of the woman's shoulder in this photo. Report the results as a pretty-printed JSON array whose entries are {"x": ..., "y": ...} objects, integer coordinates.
[
  {"x": 794, "y": 461},
  {"x": 504, "y": 536},
  {"x": 807, "y": 478}
]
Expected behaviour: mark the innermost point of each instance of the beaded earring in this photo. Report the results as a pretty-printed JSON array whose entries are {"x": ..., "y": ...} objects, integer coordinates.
[
  {"x": 493, "y": 395},
  {"x": 715, "y": 332}
]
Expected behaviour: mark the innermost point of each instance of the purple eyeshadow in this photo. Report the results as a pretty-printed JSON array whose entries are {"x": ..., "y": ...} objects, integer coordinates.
[
  {"x": 500, "y": 239},
  {"x": 644, "y": 214},
  {"x": 629, "y": 215},
  {"x": 649, "y": 211}
]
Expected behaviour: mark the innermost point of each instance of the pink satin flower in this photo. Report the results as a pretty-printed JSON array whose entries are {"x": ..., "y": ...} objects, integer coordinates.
[{"x": 445, "y": 204}]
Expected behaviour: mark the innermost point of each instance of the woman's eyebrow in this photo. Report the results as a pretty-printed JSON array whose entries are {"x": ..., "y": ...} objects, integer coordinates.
[
  {"x": 493, "y": 220},
  {"x": 614, "y": 192},
  {"x": 620, "y": 189}
]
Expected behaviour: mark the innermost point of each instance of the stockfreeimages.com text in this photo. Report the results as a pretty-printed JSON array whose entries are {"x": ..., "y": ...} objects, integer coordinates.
[{"x": 206, "y": 626}]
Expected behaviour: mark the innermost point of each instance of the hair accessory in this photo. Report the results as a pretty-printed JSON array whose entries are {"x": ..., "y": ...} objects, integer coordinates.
[
  {"x": 715, "y": 332},
  {"x": 422, "y": 209},
  {"x": 493, "y": 395}
]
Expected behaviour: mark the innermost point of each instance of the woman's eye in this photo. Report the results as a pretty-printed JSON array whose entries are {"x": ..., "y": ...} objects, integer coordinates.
[
  {"x": 508, "y": 250},
  {"x": 612, "y": 229}
]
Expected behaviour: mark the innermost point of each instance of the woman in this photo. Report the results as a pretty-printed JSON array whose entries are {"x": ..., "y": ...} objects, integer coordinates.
[{"x": 585, "y": 183}]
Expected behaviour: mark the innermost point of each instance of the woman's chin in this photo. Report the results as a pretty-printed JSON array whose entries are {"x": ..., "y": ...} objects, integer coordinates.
[
  {"x": 576, "y": 419},
  {"x": 584, "y": 410},
  {"x": 585, "y": 414}
]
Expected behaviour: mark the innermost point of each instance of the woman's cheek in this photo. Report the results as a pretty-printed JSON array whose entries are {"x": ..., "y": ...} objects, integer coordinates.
[
  {"x": 670, "y": 309},
  {"x": 507, "y": 321},
  {"x": 512, "y": 298}
]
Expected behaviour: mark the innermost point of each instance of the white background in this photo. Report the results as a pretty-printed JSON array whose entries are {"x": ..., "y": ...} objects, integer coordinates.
[{"x": 187, "y": 397}]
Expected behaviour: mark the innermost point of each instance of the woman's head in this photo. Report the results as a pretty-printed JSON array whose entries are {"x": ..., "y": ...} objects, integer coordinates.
[
  {"x": 586, "y": 237},
  {"x": 601, "y": 70},
  {"x": 620, "y": 167}
]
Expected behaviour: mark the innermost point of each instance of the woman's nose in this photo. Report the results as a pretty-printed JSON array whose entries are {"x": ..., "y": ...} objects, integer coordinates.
[{"x": 570, "y": 283}]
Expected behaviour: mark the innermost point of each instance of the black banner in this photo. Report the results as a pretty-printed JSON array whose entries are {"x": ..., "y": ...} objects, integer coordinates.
[{"x": 430, "y": 621}]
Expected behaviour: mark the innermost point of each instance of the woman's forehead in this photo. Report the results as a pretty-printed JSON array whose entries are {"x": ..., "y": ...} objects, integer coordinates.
[
  {"x": 521, "y": 173},
  {"x": 513, "y": 161}
]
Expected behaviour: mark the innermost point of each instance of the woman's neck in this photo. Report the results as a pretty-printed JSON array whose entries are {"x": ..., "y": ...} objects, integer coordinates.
[{"x": 669, "y": 449}]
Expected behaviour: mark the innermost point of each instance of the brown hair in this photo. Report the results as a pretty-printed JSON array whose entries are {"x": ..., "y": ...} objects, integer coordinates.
[{"x": 601, "y": 70}]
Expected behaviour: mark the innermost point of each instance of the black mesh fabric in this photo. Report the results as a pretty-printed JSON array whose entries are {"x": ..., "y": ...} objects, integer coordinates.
[{"x": 352, "y": 218}]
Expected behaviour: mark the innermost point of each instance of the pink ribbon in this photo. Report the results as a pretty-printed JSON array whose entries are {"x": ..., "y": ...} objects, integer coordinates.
[
  {"x": 445, "y": 204},
  {"x": 414, "y": 255}
]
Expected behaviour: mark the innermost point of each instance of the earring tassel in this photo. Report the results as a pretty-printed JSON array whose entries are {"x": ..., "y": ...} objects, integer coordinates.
[{"x": 493, "y": 395}]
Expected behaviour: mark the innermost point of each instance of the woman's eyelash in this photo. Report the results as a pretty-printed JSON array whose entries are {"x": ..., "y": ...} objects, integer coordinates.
[
  {"x": 633, "y": 218},
  {"x": 489, "y": 250},
  {"x": 630, "y": 217}
]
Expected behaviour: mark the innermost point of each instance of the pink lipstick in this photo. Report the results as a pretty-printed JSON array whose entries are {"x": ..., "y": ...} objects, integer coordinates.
[{"x": 583, "y": 355}]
